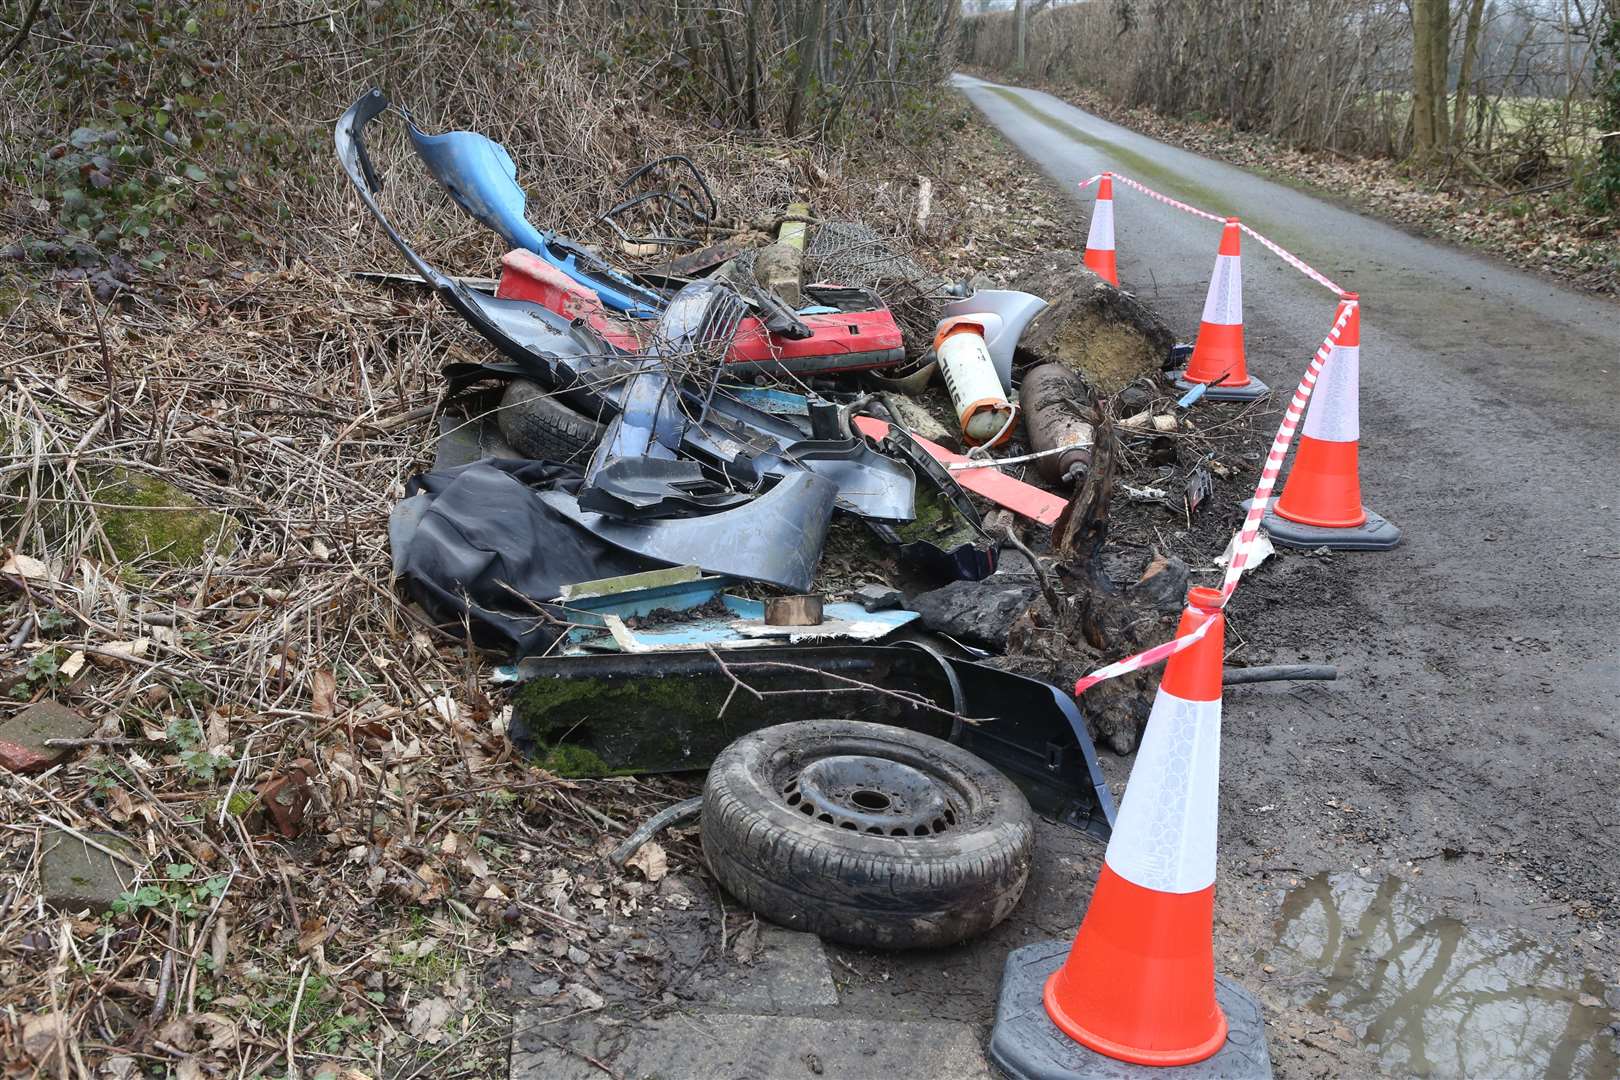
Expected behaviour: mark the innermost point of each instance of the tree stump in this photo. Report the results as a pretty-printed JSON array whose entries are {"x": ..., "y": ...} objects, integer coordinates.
[{"x": 1107, "y": 335}]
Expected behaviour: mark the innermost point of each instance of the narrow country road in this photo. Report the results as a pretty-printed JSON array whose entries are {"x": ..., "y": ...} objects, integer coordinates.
[{"x": 1470, "y": 749}]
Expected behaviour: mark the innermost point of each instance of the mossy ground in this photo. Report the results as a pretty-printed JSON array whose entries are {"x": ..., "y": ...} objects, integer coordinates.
[{"x": 144, "y": 517}]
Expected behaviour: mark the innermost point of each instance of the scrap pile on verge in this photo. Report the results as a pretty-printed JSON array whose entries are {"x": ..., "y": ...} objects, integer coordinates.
[
  {"x": 692, "y": 404},
  {"x": 654, "y": 453}
]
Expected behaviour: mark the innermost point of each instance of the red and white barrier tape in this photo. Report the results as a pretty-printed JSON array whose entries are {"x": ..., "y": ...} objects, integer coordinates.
[
  {"x": 1276, "y": 249},
  {"x": 1251, "y": 523}
]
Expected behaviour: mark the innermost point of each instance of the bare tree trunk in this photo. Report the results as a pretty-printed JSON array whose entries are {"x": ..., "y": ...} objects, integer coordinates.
[
  {"x": 1021, "y": 17},
  {"x": 1470, "y": 49},
  {"x": 1431, "y": 24},
  {"x": 808, "y": 46}
]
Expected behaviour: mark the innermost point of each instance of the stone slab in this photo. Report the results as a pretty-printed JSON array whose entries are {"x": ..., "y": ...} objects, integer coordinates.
[
  {"x": 74, "y": 876},
  {"x": 738, "y": 1046},
  {"x": 789, "y": 974},
  {"x": 22, "y": 738}
]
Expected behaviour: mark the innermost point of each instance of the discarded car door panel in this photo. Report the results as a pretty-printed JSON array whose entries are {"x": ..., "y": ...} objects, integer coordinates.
[{"x": 673, "y": 711}]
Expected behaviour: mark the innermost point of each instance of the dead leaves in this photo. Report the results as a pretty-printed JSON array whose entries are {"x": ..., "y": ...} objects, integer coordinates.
[
  {"x": 651, "y": 860},
  {"x": 323, "y": 693},
  {"x": 426, "y": 1019}
]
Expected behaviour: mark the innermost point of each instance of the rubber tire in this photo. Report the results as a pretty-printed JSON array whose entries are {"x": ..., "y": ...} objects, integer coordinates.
[
  {"x": 855, "y": 888},
  {"x": 542, "y": 428}
]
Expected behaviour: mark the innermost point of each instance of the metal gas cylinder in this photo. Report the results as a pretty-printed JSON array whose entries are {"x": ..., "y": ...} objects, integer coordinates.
[
  {"x": 982, "y": 409},
  {"x": 1057, "y": 414}
]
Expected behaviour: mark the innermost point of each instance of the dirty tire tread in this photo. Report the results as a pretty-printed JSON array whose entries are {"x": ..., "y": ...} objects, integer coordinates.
[
  {"x": 541, "y": 427},
  {"x": 856, "y": 888}
]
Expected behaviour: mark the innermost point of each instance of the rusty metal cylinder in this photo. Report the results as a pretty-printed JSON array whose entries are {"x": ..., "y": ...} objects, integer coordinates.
[{"x": 1057, "y": 414}]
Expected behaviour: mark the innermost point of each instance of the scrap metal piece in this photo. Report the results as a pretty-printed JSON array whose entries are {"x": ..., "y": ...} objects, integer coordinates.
[
  {"x": 597, "y": 714},
  {"x": 776, "y": 537}
]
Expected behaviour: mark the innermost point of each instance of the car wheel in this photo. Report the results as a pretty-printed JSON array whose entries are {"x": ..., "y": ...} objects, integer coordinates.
[{"x": 866, "y": 834}]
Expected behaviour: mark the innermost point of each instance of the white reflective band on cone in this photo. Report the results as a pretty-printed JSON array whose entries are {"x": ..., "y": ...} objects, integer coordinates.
[
  {"x": 1224, "y": 302},
  {"x": 1101, "y": 235},
  {"x": 1164, "y": 834},
  {"x": 970, "y": 374},
  {"x": 1334, "y": 414}
]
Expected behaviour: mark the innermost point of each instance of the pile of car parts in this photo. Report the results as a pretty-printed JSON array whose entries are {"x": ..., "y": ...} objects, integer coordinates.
[{"x": 647, "y": 443}]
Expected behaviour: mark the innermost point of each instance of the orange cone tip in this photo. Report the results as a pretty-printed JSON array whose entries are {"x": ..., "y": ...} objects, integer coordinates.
[{"x": 1139, "y": 983}]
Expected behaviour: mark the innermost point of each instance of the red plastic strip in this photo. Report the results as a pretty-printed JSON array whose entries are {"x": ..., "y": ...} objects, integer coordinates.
[{"x": 998, "y": 487}]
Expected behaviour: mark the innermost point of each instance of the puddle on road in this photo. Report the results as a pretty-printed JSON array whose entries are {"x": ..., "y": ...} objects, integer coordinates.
[{"x": 1433, "y": 996}]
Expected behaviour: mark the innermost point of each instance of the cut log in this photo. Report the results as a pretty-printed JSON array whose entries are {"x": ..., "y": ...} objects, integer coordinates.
[{"x": 1107, "y": 335}]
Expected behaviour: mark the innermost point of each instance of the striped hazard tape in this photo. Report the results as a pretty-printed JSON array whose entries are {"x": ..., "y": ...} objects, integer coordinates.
[
  {"x": 1276, "y": 249},
  {"x": 1251, "y": 522}
]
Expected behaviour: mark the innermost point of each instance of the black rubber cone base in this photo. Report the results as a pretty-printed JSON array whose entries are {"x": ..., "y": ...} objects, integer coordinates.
[
  {"x": 1026, "y": 1045},
  {"x": 1253, "y": 390},
  {"x": 1374, "y": 534}
]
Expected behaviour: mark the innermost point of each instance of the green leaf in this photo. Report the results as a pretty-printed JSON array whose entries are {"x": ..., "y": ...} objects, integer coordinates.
[
  {"x": 192, "y": 171},
  {"x": 177, "y": 871}
]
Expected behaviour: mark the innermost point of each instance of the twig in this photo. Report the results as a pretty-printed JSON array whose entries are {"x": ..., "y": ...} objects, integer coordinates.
[
  {"x": 851, "y": 686},
  {"x": 292, "y": 1022},
  {"x": 1053, "y": 600},
  {"x": 22, "y": 31},
  {"x": 106, "y": 362},
  {"x": 166, "y": 970}
]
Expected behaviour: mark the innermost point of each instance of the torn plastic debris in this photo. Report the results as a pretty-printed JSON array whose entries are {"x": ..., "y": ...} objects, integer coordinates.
[
  {"x": 999, "y": 488},
  {"x": 747, "y": 446},
  {"x": 635, "y": 471},
  {"x": 974, "y": 557},
  {"x": 775, "y": 537},
  {"x": 673, "y": 711},
  {"x": 683, "y": 601},
  {"x": 743, "y": 626},
  {"x": 481, "y": 177},
  {"x": 848, "y": 329}
]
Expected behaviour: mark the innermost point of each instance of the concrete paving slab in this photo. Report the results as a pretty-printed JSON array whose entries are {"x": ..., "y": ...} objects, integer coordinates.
[
  {"x": 789, "y": 974},
  {"x": 737, "y": 1046}
]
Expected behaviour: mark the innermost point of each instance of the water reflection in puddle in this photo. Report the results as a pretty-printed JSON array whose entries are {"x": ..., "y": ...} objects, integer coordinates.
[{"x": 1432, "y": 996}]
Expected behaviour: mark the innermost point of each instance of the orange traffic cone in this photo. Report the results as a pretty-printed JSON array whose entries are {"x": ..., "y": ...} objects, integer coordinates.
[
  {"x": 1139, "y": 984},
  {"x": 1100, "y": 239},
  {"x": 1217, "y": 357},
  {"x": 1320, "y": 505}
]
